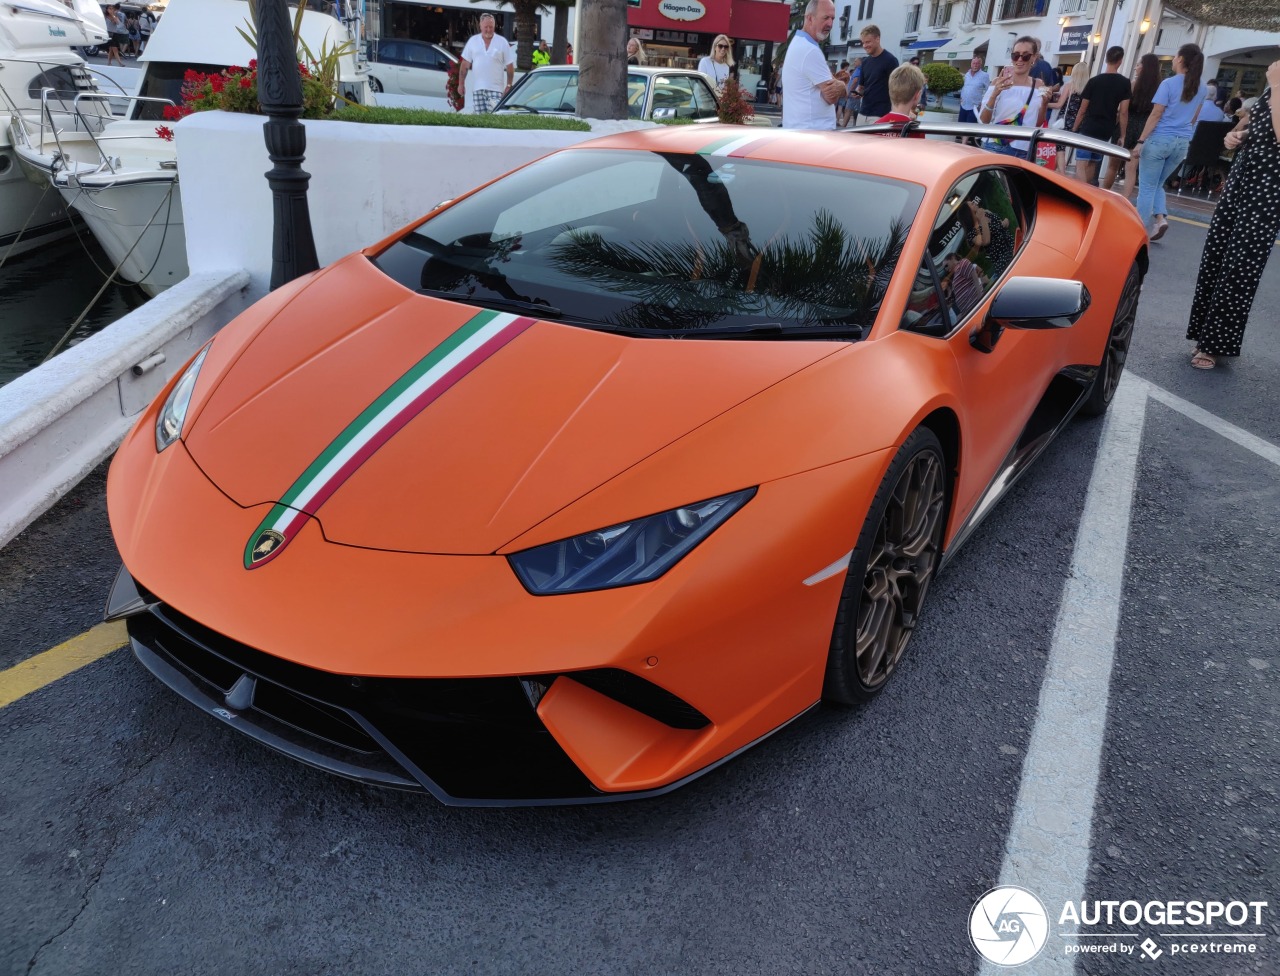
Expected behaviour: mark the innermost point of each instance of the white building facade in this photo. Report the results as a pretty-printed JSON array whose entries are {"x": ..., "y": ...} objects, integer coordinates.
[{"x": 1070, "y": 32}]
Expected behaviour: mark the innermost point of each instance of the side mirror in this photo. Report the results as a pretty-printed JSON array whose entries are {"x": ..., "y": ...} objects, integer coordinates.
[{"x": 1031, "y": 303}]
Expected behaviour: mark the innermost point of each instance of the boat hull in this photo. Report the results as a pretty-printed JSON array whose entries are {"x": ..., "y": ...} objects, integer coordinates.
[
  {"x": 138, "y": 222},
  {"x": 29, "y": 217}
]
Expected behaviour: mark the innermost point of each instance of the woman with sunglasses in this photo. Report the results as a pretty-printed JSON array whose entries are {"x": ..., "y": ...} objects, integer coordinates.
[
  {"x": 718, "y": 65},
  {"x": 1163, "y": 144},
  {"x": 1015, "y": 99}
]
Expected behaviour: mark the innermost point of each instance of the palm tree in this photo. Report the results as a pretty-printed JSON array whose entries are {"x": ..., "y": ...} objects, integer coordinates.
[
  {"x": 527, "y": 32},
  {"x": 824, "y": 275},
  {"x": 602, "y": 80}
]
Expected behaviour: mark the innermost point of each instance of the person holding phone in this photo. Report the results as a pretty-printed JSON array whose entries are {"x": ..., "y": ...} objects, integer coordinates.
[{"x": 1015, "y": 99}]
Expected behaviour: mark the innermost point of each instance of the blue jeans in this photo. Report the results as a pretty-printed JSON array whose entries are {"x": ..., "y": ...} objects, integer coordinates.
[
  {"x": 991, "y": 145},
  {"x": 1161, "y": 155}
]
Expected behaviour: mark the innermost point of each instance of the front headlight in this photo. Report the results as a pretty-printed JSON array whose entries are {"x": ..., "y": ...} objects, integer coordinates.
[
  {"x": 633, "y": 552},
  {"x": 174, "y": 415}
]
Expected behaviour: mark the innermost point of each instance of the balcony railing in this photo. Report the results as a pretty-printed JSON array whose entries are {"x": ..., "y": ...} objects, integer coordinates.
[
  {"x": 941, "y": 15},
  {"x": 1015, "y": 9},
  {"x": 1076, "y": 6},
  {"x": 913, "y": 21},
  {"x": 975, "y": 12}
]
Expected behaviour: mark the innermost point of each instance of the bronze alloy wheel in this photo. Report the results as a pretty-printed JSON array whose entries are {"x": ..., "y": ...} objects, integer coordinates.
[
  {"x": 1113, "y": 359},
  {"x": 890, "y": 571}
]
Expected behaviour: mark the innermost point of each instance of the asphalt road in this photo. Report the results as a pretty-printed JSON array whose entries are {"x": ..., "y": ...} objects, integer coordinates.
[{"x": 138, "y": 836}]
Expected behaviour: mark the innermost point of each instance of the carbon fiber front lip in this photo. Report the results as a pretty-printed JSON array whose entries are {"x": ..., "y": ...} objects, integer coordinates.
[{"x": 381, "y": 761}]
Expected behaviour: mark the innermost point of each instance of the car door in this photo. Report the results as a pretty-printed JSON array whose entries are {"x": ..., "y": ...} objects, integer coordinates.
[
  {"x": 387, "y": 68},
  {"x": 673, "y": 98},
  {"x": 981, "y": 240},
  {"x": 423, "y": 72}
]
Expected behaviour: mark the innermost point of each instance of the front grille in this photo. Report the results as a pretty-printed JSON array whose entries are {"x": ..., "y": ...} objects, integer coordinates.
[{"x": 469, "y": 740}]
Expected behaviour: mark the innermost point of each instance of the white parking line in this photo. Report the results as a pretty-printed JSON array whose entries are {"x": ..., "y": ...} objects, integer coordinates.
[
  {"x": 1250, "y": 442},
  {"x": 1047, "y": 851}
]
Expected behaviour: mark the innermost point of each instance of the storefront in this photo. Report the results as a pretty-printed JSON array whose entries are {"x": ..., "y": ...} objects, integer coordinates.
[
  {"x": 448, "y": 26},
  {"x": 677, "y": 33}
]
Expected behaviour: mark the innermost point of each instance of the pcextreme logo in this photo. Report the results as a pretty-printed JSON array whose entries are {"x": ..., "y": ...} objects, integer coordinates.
[{"x": 1009, "y": 926}]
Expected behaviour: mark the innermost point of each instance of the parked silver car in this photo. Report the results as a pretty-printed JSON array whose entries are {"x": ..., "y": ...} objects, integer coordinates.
[{"x": 652, "y": 93}]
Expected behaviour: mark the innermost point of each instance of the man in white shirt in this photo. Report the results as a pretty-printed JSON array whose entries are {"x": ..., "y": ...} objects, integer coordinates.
[
  {"x": 488, "y": 57},
  {"x": 811, "y": 90}
]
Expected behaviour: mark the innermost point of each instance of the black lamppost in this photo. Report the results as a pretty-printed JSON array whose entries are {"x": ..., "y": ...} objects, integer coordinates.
[{"x": 293, "y": 249}]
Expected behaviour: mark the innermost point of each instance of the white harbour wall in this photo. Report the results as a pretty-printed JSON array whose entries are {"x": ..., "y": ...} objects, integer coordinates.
[{"x": 366, "y": 181}]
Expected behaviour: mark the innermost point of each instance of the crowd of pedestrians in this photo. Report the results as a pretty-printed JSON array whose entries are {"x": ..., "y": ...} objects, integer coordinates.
[{"x": 1154, "y": 119}]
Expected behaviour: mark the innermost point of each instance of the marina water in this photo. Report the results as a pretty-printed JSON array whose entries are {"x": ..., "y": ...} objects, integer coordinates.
[{"x": 43, "y": 292}]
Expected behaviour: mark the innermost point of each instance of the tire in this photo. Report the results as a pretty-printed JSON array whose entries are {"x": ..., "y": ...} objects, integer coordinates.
[
  {"x": 1113, "y": 357},
  {"x": 374, "y": 84},
  {"x": 889, "y": 574}
]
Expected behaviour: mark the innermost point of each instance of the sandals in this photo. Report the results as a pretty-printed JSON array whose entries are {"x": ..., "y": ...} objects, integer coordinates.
[
  {"x": 1162, "y": 225},
  {"x": 1202, "y": 360}
]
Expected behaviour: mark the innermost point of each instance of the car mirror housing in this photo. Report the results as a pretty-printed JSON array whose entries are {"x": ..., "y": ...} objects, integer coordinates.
[{"x": 1032, "y": 303}]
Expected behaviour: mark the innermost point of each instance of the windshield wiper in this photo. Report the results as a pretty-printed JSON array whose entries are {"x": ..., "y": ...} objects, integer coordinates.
[
  {"x": 525, "y": 108},
  {"x": 768, "y": 330},
  {"x": 543, "y": 311}
]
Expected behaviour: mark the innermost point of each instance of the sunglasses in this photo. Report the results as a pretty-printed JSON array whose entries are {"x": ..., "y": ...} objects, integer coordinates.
[
  {"x": 722, "y": 47},
  {"x": 1022, "y": 55}
]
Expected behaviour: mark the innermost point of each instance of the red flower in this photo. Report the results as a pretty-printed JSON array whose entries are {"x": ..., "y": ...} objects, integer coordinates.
[
  {"x": 246, "y": 82},
  {"x": 192, "y": 75},
  {"x": 164, "y": 132},
  {"x": 216, "y": 82},
  {"x": 253, "y": 65}
]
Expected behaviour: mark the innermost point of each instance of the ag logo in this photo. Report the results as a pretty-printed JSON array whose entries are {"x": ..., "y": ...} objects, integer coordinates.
[
  {"x": 267, "y": 542},
  {"x": 1008, "y": 926}
]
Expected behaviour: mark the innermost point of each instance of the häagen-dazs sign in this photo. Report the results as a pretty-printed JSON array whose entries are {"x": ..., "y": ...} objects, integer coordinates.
[{"x": 682, "y": 9}]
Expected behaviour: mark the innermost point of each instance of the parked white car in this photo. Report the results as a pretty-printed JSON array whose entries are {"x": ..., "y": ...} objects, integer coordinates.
[{"x": 399, "y": 66}]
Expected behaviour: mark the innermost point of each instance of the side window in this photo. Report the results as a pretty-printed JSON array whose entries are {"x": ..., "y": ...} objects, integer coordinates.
[
  {"x": 389, "y": 52},
  {"x": 925, "y": 310},
  {"x": 975, "y": 237},
  {"x": 705, "y": 105},
  {"x": 636, "y": 88},
  {"x": 673, "y": 98}
]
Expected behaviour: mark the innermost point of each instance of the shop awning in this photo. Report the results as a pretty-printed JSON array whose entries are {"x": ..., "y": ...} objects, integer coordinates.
[
  {"x": 963, "y": 48},
  {"x": 683, "y": 21},
  {"x": 927, "y": 45},
  {"x": 759, "y": 20}
]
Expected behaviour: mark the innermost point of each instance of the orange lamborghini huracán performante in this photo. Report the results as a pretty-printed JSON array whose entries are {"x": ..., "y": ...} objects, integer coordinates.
[{"x": 598, "y": 475}]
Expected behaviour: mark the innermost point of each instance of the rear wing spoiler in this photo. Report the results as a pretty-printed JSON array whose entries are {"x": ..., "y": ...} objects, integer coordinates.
[{"x": 970, "y": 130}]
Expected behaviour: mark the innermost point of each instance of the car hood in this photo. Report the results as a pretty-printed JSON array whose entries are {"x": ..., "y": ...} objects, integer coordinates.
[{"x": 408, "y": 423}]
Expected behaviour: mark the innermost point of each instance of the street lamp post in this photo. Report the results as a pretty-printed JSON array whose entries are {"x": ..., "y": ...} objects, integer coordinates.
[{"x": 293, "y": 249}]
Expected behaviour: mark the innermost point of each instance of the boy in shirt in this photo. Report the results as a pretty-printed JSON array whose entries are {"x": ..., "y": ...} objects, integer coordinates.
[{"x": 906, "y": 84}]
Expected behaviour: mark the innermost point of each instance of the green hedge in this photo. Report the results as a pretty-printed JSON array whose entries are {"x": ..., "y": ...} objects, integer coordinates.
[
  {"x": 943, "y": 79},
  {"x": 385, "y": 115}
]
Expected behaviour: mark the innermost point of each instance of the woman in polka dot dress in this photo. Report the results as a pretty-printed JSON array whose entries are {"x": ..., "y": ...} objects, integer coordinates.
[{"x": 1244, "y": 226}]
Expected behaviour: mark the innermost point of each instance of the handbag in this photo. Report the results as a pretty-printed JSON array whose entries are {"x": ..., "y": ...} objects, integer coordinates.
[{"x": 1017, "y": 119}]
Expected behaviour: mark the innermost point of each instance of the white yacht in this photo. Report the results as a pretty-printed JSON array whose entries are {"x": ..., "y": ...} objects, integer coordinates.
[
  {"x": 121, "y": 175},
  {"x": 36, "y": 40}
]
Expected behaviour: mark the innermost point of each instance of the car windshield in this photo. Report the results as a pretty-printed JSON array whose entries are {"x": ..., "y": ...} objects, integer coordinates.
[
  {"x": 652, "y": 243},
  {"x": 557, "y": 91}
]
